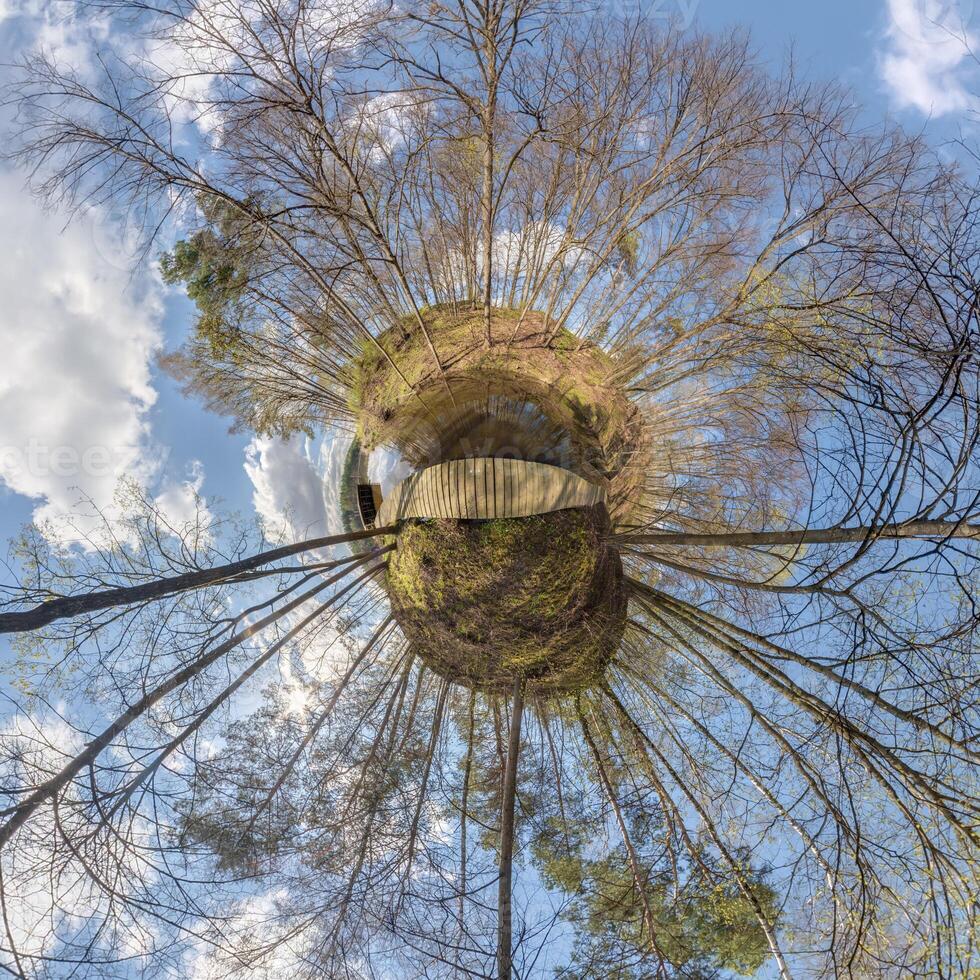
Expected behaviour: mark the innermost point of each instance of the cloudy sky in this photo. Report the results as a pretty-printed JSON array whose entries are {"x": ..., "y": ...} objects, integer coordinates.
[{"x": 81, "y": 401}]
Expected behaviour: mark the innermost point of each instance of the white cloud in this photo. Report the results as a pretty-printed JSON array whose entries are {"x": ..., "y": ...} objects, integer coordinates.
[
  {"x": 390, "y": 117},
  {"x": 219, "y": 35},
  {"x": 296, "y": 494},
  {"x": 927, "y": 62},
  {"x": 68, "y": 34},
  {"x": 291, "y": 490},
  {"x": 181, "y": 504},
  {"x": 190, "y": 94},
  {"x": 252, "y": 920},
  {"x": 535, "y": 244},
  {"x": 78, "y": 334},
  {"x": 387, "y": 468},
  {"x": 296, "y": 482}
]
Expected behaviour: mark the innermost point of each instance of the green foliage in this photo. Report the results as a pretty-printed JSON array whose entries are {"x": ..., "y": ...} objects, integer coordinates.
[
  {"x": 566, "y": 342},
  {"x": 723, "y": 921},
  {"x": 215, "y": 265},
  {"x": 256, "y": 807},
  {"x": 703, "y": 924},
  {"x": 628, "y": 249}
]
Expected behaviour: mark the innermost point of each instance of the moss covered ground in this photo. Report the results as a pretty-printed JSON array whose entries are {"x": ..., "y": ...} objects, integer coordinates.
[{"x": 484, "y": 601}]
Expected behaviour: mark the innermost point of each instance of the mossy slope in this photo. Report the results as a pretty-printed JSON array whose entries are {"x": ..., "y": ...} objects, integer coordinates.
[
  {"x": 484, "y": 601},
  {"x": 572, "y": 381}
]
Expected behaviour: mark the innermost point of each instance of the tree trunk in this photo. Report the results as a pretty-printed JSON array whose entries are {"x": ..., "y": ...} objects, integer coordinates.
[
  {"x": 829, "y": 535},
  {"x": 486, "y": 208},
  {"x": 508, "y": 799},
  {"x": 490, "y": 70},
  {"x": 66, "y": 607},
  {"x": 464, "y": 803}
]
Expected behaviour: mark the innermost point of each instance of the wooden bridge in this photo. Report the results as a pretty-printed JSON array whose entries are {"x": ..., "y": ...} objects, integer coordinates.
[{"x": 484, "y": 489}]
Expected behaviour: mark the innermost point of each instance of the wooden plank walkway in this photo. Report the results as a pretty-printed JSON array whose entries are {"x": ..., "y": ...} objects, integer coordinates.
[{"x": 483, "y": 489}]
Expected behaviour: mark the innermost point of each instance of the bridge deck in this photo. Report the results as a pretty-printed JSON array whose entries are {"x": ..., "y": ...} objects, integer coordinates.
[{"x": 484, "y": 489}]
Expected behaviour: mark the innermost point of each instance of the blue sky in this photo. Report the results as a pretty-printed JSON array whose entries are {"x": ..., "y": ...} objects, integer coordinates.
[{"x": 81, "y": 400}]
